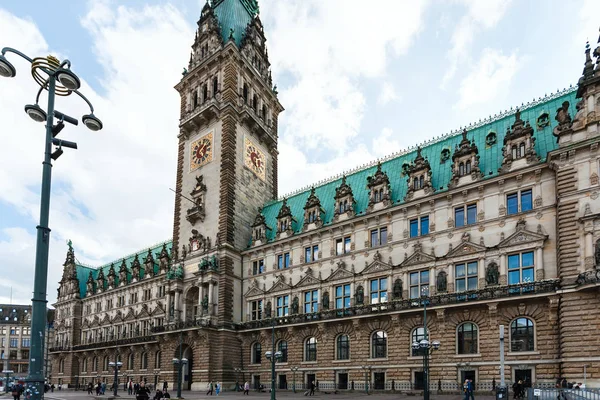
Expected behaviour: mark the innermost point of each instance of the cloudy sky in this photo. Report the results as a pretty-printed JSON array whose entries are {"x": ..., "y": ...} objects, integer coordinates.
[{"x": 359, "y": 80}]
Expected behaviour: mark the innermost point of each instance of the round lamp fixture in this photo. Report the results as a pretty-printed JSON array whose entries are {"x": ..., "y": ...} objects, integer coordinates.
[
  {"x": 68, "y": 79},
  {"x": 6, "y": 68},
  {"x": 35, "y": 112},
  {"x": 92, "y": 122}
]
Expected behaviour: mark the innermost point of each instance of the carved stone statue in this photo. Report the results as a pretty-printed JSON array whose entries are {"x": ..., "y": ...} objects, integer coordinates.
[
  {"x": 597, "y": 255},
  {"x": 295, "y": 305},
  {"x": 359, "y": 296},
  {"x": 268, "y": 310},
  {"x": 325, "y": 301},
  {"x": 205, "y": 302},
  {"x": 492, "y": 274},
  {"x": 442, "y": 282},
  {"x": 397, "y": 293},
  {"x": 172, "y": 309}
]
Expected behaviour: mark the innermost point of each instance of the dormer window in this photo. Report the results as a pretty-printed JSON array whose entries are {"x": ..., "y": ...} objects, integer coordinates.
[
  {"x": 264, "y": 112},
  {"x": 379, "y": 190},
  {"x": 259, "y": 229},
  {"x": 465, "y": 162},
  {"x": 283, "y": 226},
  {"x": 519, "y": 143},
  {"x": 418, "y": 182},
  {"x": 419, "y": 174},
  {"x": 312, "y": 211},
  {"x": 344, "y": 201},
  {"x": 284, "y": 221}
]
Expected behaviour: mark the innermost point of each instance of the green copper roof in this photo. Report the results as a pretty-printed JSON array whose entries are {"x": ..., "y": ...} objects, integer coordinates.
[
  {"x": 83, "y": 271},
  {"x": 490, "y": 161},
  {"x": 236, "y": 15}
]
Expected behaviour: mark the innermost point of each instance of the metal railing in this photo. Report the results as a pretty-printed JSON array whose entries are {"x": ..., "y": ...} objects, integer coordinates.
[{"x": 562, "y": 394}]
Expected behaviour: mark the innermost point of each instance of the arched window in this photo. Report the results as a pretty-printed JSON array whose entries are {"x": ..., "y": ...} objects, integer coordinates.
[
  {"x": 256, "y": 353},
  {"x": 215, "y": 87},
  {"x": 245, "y": 93},
  {"x": 310, "y": 350},
  {"x": 282, "y": 346},
  {"x": 416, "y": 184},
  {"x": 105, "y": 363},
  {"x": 522, "y": 337},
  {"x": 421, "y": 181},
  {"x": 467, "y": 167},
  {"x": 84, "y": 366},
  {"x": 381, "y": 194},
  {"x": 345, "y": 205},
  {"x": 461, "y": 169},
  {"x": 95, "y": 364},
  {"x": 342, "y": 345},
  {"x": 379, "y": 344},
  {"x": 61, "y": 366},
  {"x": 376, "y": 196},
  {"x": 130, "y": 361},
  {"x": 522, "y": 149},
  {"x": 417, "y": 335},
  {"x": 514, "y": 152},
  {"x": 157, "y": 356},
  {"x": 144, "y": 360},
  {"x": 342, "y": 207},
  {"x": 467, "y": 338}
]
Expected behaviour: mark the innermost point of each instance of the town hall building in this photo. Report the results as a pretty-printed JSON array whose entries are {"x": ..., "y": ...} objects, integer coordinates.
[{"x": 497, "y": 224}]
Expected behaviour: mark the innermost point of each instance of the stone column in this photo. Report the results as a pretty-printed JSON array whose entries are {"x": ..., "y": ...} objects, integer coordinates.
[
  {"x": 539, "y": 264},
  {"x": 200, "y": 297},
  {"x": 481, "y": 273},
  {"x": 177, "y": 309},
  {"x": 210, "y": 297},
  {"x": 168, "y": 308},
  {"x": 433, "y": 279},
  {"x": 451, "y": 278},
  {"x": 405, "y": 285},
  {"x": 589, "y": 250},
  {"x": 503, "y": 279}
]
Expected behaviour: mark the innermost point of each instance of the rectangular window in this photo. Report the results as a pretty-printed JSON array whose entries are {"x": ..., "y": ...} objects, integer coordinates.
[
  {"x": 414, "y": 227},
  {"x": 342, "y": 296},
  {"x": 343, "y": 245},
  {"x": 378, "y": 237},
  {"x": 283, "y": 303},
  {"x": 25, "y": 342},
  {"x": 521, "y": 268},
  {"x": 419, "y": 284},
  {"x": 465, "y": 276},
  {"x": 256, "y": 310},
  {"x": 14, "y": 342},
  {"x": 512, "y": 203},
  {"x": 378, "y": 290},
  {"x": 258, "y": 267},
  {"x": 424, "y": 226},
  {"x": 526, "y": 200},
  {"x": 311, "y": 301},
  {"x": 471, "y": 214},
  {"x": 419, "y": 226},
  {"x": 311, "y": 254},
  {"x": 283, "y": 261},
  {"x": 459, "y": 217}
]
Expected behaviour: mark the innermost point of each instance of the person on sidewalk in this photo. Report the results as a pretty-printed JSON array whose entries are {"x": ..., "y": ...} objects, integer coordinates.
[
  {"x": 247, "y": 388},
  {"x": 218, "y": 388},
  {"x": 142, "y": 393},
  {"x": 312, "y": 389},
  {"x": 210, "y": 388}
]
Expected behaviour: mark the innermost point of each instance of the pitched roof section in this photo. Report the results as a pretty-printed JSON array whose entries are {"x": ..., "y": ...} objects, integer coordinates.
[
  {"x": 236, "y": 15},
  {"x": 491, "y": 158},
  {"x": 83, "y": 271}
]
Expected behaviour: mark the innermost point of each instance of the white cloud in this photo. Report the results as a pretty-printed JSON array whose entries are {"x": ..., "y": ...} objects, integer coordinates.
[
  {"x": 336, "y": 43},
  {"x": 387, "y": 94},
  {"x": 384, "y": 144},
  {"x": 121, "y": 175},
  {"x": 488, "y": 79},
  {"x": 588, "y": 14},
  {"x": 480, "y": 15}
]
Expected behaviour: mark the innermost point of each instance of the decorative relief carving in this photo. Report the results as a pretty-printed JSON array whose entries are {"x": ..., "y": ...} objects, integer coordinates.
[{"x": 197, "y": 211}]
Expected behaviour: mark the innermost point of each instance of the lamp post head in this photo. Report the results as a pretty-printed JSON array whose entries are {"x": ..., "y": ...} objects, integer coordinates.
[
  {"x": 119, "y": 364},
  {"x": 184, "y": 361},
  {"x": 111, "y": 364},
  {"x": 68, "y": 79},
  {"x": 436, "y": 344},
  {"x": 424, "y": 344},
  {"x": 268, "y": 354},
  {"x": 7, "y": 70},
  {"x": 36, "y": 113},
  {"x": 92, "y": 122},
  {"x": 415, "y": 345},
  {"x": 176, "y": 361},
  {"x": 278, "y": 355}
]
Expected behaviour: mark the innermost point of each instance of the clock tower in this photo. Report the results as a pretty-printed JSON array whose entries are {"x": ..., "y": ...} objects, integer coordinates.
[{"x": 227, "y": 153}]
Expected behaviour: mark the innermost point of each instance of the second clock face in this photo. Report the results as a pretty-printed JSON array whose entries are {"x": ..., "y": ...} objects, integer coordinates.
[
  {"x": 254, "y": 159},
  {"x": 201, "y": 151}
]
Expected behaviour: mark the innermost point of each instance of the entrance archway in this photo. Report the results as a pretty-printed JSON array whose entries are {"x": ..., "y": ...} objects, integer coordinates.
[{"x": 186, "y": 370}]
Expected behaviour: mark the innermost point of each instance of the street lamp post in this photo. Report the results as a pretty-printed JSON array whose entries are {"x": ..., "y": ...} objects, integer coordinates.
[
  {"x": 294, "y": 370},
  {"x": 7, "y": 372},
  {"x": 426, "y": 347},
  {"x": 237, "y": 378},
  {"x": 116, "y": 365},
  {"x": 58, "y": 79},
  {"x": 180, "y": 362},
  {"x": 367, "y": 369}
]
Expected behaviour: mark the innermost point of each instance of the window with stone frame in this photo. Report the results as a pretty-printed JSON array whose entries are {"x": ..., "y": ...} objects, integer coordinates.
[
  {"x": 105, "y": 362},
  {"x": 342, "y": 347},
  {"x": 379, "y": 344},
  {"x": 95, "y": 364},
  {"x": 84, "y": 365},
  {"x": 131, "y": 361},
  {"x": 282, "y": 346},
  {"x": 258, "y": 266},
  {"x": 519, "y": 143},
  {"x": 519, "y": 201},
  {"x": 259, "y": 228},
  {"x": 467, "y": 338},
  {"x": 465, "y": 276},
  {"x": 419, "y": 284},
  {"x": 283, "y": 261},
  {"x": 419, "y": 177},
  {"x": 416, "y": 336},
  {"x": 342, "y": 296},
  {"x": 311, "y": 301},
  {"x": 310, "y": 349},
  {"x": 379, "y": 288},
  {"x": 522, "y": 335},
  {"x": 311, "y": 253},
  {"x": 378, "y": 236},
  {"x": 282, "y": 304},
  {"x": 256, "y": 353},
  {"x": 465, "y": 160},
  {"x": 419, "y": 226},
  {"x": 465, "y": 215},
  {"x": 256, "y": 308},
  {"x": 344, "y": 200},
  {"x": 144, "y": 360},
  {"x": 61, "y": 366},
  {"x": 521, "y": 268},
  {"x": 380, "y": 191},
  {"x": 157, "y": 357},
  {"x": 312, "y": 211},
  {"x": 343, "y": 245}
]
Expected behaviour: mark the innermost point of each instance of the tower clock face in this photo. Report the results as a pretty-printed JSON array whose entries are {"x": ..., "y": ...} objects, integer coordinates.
[
  {"x": 255, "y": 159},
  {"x": 201, "y": 151}
]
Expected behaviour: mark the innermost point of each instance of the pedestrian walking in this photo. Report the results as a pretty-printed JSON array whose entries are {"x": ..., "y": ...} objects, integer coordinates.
[
  {"x": 165, "y": 386},
  {"x": 218, "y": 388},
  {"x": 210, "y": 388},
  {"x": 312, "y": 389},
  {"x": 247, "y": 388},
  {"x": 142, "y": 393}
]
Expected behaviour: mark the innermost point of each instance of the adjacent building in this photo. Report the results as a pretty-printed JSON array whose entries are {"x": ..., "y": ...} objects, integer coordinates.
[{"x": 494, "y": 225}]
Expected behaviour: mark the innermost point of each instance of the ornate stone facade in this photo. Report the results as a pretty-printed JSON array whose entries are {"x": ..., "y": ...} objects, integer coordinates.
[{"x": 342, "y": 271}]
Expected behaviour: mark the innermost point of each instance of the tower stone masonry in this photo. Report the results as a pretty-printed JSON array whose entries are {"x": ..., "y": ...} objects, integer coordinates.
[{"x": 498, "y": 224}]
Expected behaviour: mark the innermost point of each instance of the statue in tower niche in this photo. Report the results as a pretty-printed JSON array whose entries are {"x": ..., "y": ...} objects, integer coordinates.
[
  {"x": 198, "y": 210},
  {"x": 492, "y": 274},
  {"x": 359, "y": 296},
  {"x": 397, "y": 291},
  {"x": 205, "y": 303},
  {"x": 325, "y": 300},
  {"x": 295, "y": 305},
  {"x": 268, "y": 310},
  {"x": 442, "y": 282}
]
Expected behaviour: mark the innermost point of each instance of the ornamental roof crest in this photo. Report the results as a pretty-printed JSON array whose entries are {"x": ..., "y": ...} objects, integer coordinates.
[
  {"x": 340, "y": 273},
  {"x": 285, "y": 210},
  {"x": 522, "y": 236},
  {"x": 465, "y": 147},
  {"x": 465, "y": 247},
  {"x": 519, "y": 129},
  {"x": 343, "y": 190},
  {"x": 313, "y": 200},
  {"x": 259, "y": 220},
  {"x": 420, "y": 163},
  {"x": 378, "y": 178},
  {"x": 308, "y": 279}
]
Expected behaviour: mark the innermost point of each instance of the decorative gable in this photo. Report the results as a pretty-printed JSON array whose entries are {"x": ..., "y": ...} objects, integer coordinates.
[
  {"x": 465, "y": 161},
  {"x": 254, "y": 290},
  {"x": 149, "y": 264},
  {"x": 418, "y": 257},
  {"x": 519, "y": 143},
  {"x": 522, "y": 236},
  {"x": 466, "y": 247},
  {"x": 100, "y": 281},
  {"x": 308, "y": 279},
  {"x": 344, "y": 201},
  {"x": 419, "y": 177},
  {"x": 313, "y": 213},
  {"x": 340, "y": 273},
  {"x": 164, "y": 259},
  {"x": 279, "y": 285},
  {"x": 259, "y": 229},
  {"x": 253, "y": 48},
  {"x": 136, "y": 269},
  {"x": 377, "y": 265},
  {"x": 123, "y": 274},
  {"x": 380, "y": 191},
  {"x": 89, "y": 285},
  {"x": 111, "y": 277},
  {"x": 284, "y": 221}
]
